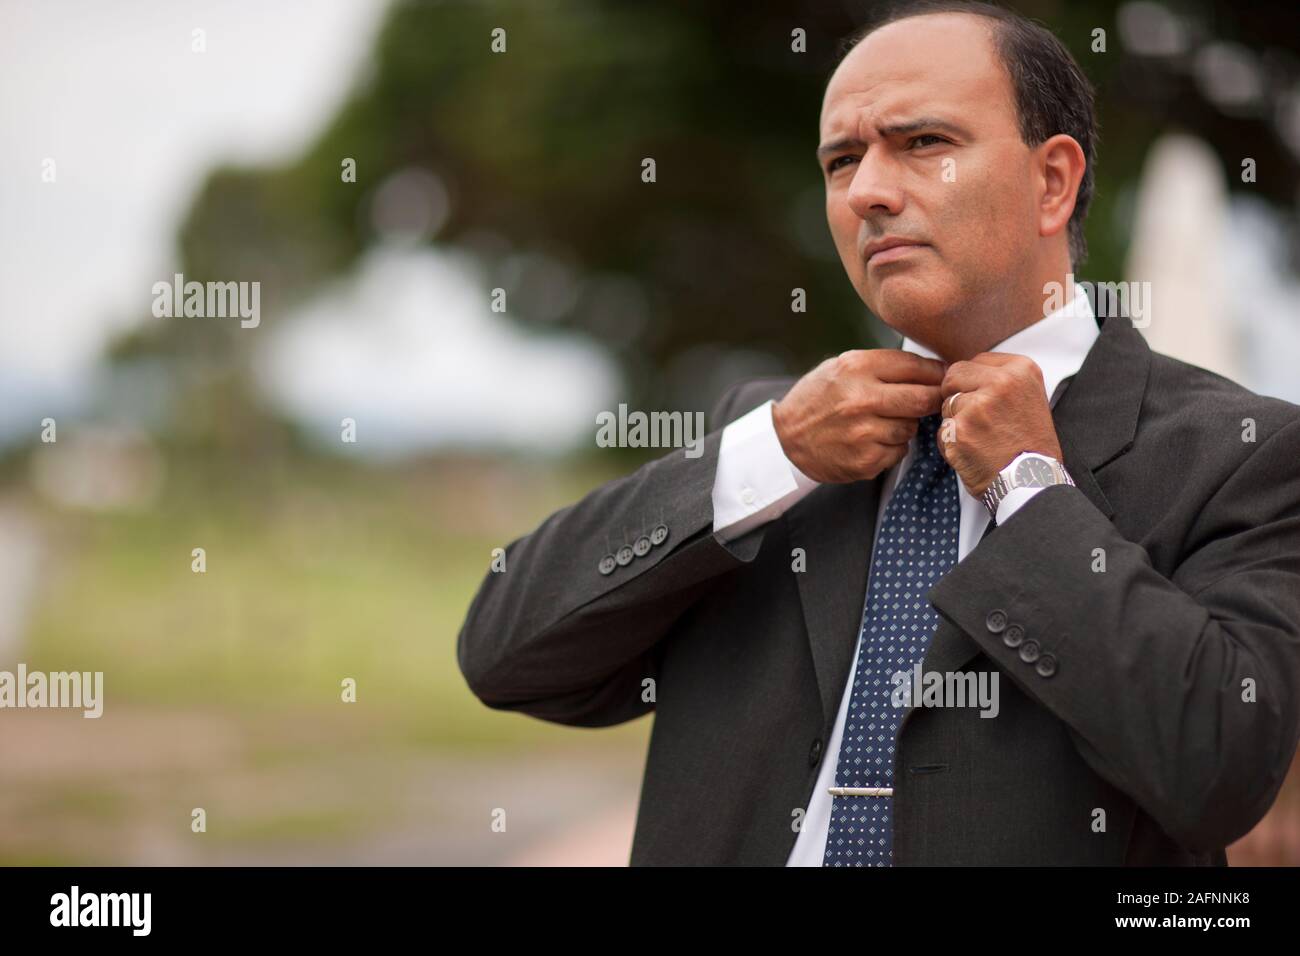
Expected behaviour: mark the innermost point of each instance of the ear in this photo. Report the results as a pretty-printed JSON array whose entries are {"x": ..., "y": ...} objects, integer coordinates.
[{"x": 1061, "y": 165}]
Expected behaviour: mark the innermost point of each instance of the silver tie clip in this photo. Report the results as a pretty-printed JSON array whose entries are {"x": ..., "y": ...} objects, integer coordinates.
[{"x": 861, "y": 791}]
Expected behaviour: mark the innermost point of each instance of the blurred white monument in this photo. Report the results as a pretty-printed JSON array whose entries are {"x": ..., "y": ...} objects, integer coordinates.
[{"x": 1179, "y": 246}]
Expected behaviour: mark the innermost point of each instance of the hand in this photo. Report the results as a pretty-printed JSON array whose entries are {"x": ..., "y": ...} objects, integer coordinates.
[
  {"x": 852, "y": 416},
  {"x": 1002, "y": 411}
]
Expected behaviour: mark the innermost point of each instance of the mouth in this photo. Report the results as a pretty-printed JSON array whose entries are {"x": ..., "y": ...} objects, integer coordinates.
[{"x": 890, "y": 249}]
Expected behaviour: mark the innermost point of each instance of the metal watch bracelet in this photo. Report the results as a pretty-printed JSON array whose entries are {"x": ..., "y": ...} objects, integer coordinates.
[{"x": 1003, "y": 484}]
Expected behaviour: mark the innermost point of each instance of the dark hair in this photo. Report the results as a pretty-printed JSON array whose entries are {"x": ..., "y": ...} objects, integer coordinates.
[{"x": 1052, "y": 95}]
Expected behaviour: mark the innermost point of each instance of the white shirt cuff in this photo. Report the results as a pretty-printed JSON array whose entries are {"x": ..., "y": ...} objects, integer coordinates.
[
  {"x": 755, "y": 481},
  {"x": 1013, "y": 502}
]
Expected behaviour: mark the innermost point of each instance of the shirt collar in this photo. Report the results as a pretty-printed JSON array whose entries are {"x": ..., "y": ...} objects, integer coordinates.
[{"x": 1058, "y": 343}]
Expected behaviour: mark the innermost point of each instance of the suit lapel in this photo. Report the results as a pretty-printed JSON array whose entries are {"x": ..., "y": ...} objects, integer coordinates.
[
  {"x": 1096, "y": 420},
  {"x": 835, "y": 525}
]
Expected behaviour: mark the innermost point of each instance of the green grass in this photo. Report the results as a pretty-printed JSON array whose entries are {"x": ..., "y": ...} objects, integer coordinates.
[{"x": 316, "y": 571}]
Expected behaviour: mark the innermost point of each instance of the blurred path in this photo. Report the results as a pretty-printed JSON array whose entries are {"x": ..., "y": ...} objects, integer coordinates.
[
  {"x": 120, "y": 790},
  {"x": 603, "y": 840},
  {"x": 21, "y": 546}
]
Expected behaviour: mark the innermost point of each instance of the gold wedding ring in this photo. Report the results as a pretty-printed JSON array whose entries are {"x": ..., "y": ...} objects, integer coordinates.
[{"x": 950, "y": 404}]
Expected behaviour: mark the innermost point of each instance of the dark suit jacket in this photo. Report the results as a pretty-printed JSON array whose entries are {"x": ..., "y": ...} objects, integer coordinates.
[{"x": 1124, "y": 693}]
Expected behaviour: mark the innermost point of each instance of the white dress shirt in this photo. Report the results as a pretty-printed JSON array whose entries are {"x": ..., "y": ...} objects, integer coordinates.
[{"x": 756, "y": 483}]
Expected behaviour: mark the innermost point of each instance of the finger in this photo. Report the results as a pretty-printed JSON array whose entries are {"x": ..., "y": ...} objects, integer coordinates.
[
  {"x": 966, "y": 377},
  {"x": 941, "y": 442},
  {"x": 996, "y": 358},
  {"x": 895, "y": 365},
  {"x": 908, "y": 401},
  {"x": 894, "y": 431},
  {"x": 887, "y": 456},
  {"x": 1010, "y": 360}
]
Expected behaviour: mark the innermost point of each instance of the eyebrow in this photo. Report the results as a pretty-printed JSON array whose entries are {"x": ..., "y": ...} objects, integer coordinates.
[{"x": 896, "y": 129}]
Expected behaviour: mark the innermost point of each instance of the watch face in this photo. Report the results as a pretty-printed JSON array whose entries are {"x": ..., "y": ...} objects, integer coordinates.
[{"x": 1035, "y": 472}]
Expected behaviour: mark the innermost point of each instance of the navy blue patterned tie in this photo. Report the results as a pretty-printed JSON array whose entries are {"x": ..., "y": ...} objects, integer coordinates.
[{"x": 916, "y": 546}]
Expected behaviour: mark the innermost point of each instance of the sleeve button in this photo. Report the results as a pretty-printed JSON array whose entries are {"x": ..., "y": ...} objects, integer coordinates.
[
  {"x": 1046, "y": 666},
  {"x": 624, "y": 556},
  {"x": 1013, "y": 635},
  {"x": 1029, "y": 651},
  {"x": 641, "y": 546},
  {"x": 659, "y": 535},
  {"x": 996, "y": 622},
  {"x": 607, "y": 564}
]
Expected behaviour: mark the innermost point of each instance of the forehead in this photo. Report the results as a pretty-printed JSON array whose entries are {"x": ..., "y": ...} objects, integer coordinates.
[{"x": 933, "y": 63}]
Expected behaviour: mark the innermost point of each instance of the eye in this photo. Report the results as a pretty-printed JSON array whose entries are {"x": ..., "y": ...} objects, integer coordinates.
[
  {"x": 833, "y": 165},
  {"x": 915, "y": 142}
]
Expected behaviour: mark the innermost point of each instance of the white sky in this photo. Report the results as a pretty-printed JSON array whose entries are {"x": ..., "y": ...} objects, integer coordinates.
[
  {"x": 134, "y": 119},
  {"x": 408, "y": 348}
]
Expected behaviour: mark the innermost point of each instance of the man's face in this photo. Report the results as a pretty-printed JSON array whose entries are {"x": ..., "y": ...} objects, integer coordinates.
[{"x": 929, "y": 152}]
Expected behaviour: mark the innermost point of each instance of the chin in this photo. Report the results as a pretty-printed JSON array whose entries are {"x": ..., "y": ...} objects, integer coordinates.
[{"x": 911, "y": 305}]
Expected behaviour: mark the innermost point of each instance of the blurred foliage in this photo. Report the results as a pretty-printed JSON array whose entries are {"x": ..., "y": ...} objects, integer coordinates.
[{"x": 540, "y": 152}]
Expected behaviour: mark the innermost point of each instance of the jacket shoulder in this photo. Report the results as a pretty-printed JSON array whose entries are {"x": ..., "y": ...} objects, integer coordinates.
[{"x": 1181, "y": 390}]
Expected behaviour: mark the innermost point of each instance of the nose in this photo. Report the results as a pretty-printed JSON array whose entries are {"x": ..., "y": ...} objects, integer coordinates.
[{"x": 875, "y": 187}]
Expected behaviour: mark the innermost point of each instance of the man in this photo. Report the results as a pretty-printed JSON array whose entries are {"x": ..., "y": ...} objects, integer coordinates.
[{"x": 1022, "y": 499}]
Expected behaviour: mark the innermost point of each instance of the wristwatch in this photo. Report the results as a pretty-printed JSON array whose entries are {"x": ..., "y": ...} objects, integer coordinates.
[{"x": 1027, "y": 470}]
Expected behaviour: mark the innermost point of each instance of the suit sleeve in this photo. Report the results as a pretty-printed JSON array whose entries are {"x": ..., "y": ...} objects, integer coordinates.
[
  {"x": 1182, "y": 692},
  {"x": 561, "y": 635}
]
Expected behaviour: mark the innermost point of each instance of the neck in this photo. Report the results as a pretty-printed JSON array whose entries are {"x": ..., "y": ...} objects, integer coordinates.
[{"x": 1008, "y": 309}]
